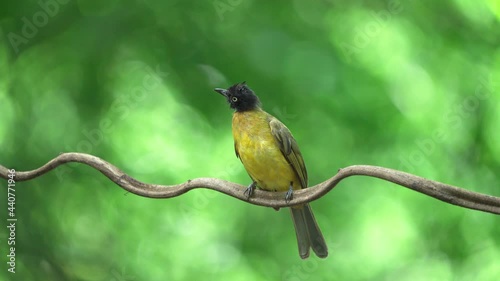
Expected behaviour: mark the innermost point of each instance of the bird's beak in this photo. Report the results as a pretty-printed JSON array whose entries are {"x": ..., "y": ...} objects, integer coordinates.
[{"x": 221, "y": 91}]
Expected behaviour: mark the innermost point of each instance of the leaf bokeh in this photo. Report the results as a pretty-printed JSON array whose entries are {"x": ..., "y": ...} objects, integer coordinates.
[{"x": 410, "y": 85}]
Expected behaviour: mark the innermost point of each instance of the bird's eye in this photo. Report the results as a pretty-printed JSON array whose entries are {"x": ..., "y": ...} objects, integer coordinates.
[{"x": 234, "y": 99}]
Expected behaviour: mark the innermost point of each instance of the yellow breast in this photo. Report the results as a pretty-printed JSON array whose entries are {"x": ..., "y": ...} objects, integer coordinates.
[{"x": 259, "y": 152}]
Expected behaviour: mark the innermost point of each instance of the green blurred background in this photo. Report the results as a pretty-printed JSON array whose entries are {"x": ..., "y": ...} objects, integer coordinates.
[{"x": 410, "y": 85}]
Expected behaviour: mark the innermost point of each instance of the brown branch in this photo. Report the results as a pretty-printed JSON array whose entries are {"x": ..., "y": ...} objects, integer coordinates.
[{"x": 447, "y": 193}]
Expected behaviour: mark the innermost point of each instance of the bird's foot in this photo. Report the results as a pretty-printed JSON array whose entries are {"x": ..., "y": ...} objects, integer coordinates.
[
  {"x": 289, "y": 193},
  {"x": 250, "y": 189}
]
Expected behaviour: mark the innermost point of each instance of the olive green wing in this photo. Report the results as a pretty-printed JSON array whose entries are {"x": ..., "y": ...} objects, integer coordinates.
[{"x": 289, "y": 148}]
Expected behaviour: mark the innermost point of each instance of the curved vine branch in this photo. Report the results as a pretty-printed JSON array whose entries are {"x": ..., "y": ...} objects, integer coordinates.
[{"x": 447, "y": 193}]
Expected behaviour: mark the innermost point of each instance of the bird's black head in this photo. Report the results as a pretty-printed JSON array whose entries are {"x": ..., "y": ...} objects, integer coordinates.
[{"x": 240, "y": 97}]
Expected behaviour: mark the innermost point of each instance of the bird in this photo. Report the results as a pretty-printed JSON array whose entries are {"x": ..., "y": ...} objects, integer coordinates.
[{"x": 272, "y": 159}]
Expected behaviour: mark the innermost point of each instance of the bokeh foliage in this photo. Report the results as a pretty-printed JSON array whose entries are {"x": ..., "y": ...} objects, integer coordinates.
[{"x": 411, "y": 85}]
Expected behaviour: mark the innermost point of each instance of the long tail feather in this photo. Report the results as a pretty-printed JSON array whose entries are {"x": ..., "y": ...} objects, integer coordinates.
[
  {"x": 299, "y": 222},
  {"x": 317, "y": 241},
  {"x": 308, "y": 233}
]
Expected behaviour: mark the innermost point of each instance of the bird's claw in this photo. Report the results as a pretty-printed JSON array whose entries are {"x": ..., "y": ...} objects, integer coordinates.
[
  {"x": 289, "y": 194},
  {"x": 250, "y": 189}
]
